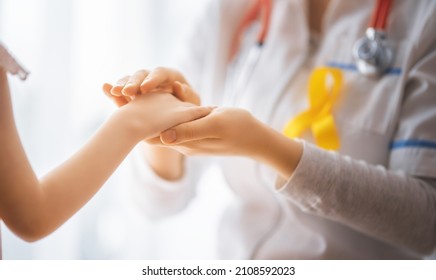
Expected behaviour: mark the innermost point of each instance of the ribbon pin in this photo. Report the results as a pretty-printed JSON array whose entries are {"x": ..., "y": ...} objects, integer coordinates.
[{"x": 325, "y": 84}]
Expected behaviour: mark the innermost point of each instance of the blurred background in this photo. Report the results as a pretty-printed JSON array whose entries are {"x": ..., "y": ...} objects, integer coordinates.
[{"x": 71, "y": 48}]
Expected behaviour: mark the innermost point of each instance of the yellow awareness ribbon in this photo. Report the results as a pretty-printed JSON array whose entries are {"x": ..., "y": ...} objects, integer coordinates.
[{"x": 325, "y": 84}]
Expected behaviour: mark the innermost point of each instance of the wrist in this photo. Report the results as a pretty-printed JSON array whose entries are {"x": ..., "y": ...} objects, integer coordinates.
[
  {"x": 127, "y": 127},
  {"x": 278, "y": 151}
]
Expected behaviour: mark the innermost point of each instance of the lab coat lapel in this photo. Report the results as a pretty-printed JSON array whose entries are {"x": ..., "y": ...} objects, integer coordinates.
[
  {"x": 284, "y": 52},
  {"x": 230, "y": 12}
]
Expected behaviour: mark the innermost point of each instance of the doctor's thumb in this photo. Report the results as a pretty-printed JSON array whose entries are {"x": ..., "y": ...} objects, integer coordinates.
[
  {"x": 169, "y": 136},
  {"x": 188, "y": 131},
  {"x": 179, "y": 134},
  {"x": 182, "y": 133}
]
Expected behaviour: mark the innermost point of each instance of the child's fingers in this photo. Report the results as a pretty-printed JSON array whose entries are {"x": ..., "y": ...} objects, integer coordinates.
[
  {"x": 118, "y": 87},
  {"x": 132, "y": 86},
  {"x": 156, "y": 78}
]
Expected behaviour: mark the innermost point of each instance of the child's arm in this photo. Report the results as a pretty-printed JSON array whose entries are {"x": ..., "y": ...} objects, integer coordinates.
[{"x": 33, "y": 208}]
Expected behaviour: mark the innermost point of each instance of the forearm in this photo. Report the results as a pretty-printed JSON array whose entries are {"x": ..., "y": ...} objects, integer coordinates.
[
  {"x": 391, "y": 206},
  {"x": 159, "y": 197},
  {"x": 274, "y": 149},
  {"x": 33, "y": 208},
  {"x": 69, "y": 186},
  {"x": 165, "y": 162}
]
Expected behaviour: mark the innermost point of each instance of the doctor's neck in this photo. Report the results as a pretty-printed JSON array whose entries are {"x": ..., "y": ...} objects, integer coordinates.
[{"x": 315, "y": 11}]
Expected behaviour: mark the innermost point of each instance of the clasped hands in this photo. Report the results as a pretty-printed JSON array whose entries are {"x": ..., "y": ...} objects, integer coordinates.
[
  {"x": 224, "y": 131},
  {"x": 207, "y": 131}
]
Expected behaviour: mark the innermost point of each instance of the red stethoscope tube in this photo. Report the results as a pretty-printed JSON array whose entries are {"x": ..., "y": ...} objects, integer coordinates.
[
  {"x": 259, "y": 10},
  {"x": 380, "y": 15},
  {"x": 372, "y": 53}
]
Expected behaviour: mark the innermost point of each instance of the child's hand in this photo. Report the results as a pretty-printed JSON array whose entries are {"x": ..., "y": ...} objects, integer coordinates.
[
  {"x": 149, "y": 114},
  {"x": 160, "y": 80}
]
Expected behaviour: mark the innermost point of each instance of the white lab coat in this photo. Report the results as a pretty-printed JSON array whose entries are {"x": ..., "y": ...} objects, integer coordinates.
[{"x": 379, "y": 120}]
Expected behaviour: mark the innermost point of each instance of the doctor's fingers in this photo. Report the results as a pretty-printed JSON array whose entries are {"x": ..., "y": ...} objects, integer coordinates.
[
  {"x": 118, "y": 100},
  {"x": 190, "y": 148},
  {"x": 155, "y": 141},
  {"x": 192, "y": 113},
  {"x": 185, "y": 93},
  {"x": 107, "y": 89},
  {"x": 160, "y": 79},
  {"x": 189, "y": 131},
  {"x": 132, "y": 85}
]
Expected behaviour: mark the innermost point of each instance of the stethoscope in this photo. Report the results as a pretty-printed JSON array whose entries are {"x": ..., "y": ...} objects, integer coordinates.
[
  {"x": 371, "y": 53},
  {"x": 242, "y": 68}
]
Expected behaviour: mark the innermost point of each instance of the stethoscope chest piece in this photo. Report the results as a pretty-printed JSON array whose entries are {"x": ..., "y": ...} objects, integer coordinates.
[{"x": 372, "y": 54}]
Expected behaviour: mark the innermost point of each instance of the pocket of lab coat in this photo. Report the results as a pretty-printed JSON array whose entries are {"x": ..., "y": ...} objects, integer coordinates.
[{"x": 368, "y": 109}]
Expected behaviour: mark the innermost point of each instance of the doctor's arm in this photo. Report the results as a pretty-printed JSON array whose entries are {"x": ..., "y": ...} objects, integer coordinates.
[
  {"x": 32, "y": 207},
  {"x": 392, "y": 206}
]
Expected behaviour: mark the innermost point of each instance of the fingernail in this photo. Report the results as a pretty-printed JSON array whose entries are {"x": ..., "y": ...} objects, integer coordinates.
[
  {"x": 125, "y": 93},
  {"x": 115, "y": 93},
  {"x": 169, "y": 136}
]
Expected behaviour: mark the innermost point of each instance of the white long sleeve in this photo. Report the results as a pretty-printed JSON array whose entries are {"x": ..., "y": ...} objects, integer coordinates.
[
  {"x": 388, "y": 205},
  {"x": 157, "y": 197}
]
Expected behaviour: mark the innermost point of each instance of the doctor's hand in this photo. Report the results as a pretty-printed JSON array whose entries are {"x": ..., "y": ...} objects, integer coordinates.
[
  {"x": 225, "y": 131},
  {"x": 232, "y": 131},
  {"x": 159, "y": 80}
]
